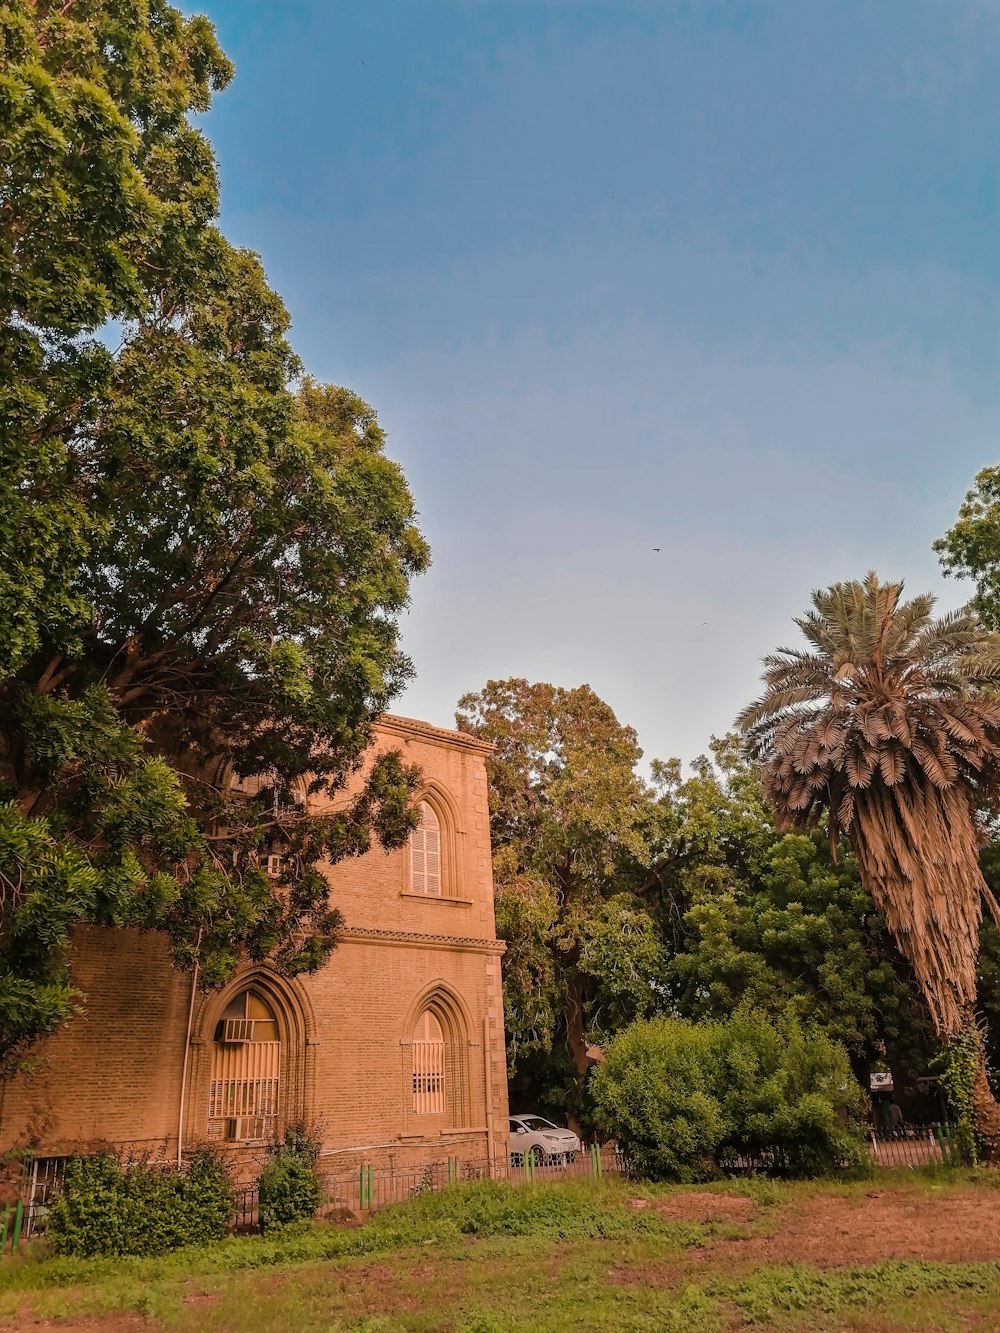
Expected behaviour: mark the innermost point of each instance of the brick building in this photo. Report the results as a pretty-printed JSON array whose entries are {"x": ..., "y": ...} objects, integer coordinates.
[{"x": 394, "y": 1050}]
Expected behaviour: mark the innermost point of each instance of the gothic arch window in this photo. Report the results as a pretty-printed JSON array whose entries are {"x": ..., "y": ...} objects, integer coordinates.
[
  {"x": 425, "y": 853},
  {"x": 246, "y": 1075},
  {"x": 433, "y": 864},
  {"x": 439, "y": 1061},
  {"x": 429, "y": 1052}
]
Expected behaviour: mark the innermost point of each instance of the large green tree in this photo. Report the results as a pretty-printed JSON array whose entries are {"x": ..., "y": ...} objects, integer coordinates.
[
  {"x": 971, "y": 549},
  {"x": 200, "y": 569},
  {"x": 886, "y": 729},
  {"x": 567, "y": 809},
  {"x": 755, "y": 917}
]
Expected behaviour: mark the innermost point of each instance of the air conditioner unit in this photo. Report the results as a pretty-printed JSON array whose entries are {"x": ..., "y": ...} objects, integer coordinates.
[
  {"x": 241, "y": 1128},
  {"x": 237, "y": 1031},
  {"x": 274, "y": 866}
]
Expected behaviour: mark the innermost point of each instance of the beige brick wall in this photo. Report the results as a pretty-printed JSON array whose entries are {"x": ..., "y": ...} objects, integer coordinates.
[{"x": 114, "y": 1074}]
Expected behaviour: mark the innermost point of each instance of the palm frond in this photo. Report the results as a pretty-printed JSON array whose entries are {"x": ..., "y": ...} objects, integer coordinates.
[{"x": 888, "y": 725}]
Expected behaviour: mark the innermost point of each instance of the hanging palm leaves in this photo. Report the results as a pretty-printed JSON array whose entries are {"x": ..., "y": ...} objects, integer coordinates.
[{"x": 888, "y": 729}]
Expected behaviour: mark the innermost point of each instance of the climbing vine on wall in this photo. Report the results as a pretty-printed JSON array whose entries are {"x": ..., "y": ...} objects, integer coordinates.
[{"x": 962, "y": 1062}]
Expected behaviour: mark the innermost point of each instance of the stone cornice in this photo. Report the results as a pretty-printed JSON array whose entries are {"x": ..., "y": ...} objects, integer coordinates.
[
  {"x": 420, "y": 939},
  {"x": 412, "y": 729}
]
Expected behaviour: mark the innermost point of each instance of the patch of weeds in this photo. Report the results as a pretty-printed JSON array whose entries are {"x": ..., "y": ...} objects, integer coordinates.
[
  {"x": 594, "y": 1306},
  {"x": 778, "y": 1293},
  {"x": 487, "y": 1209}
]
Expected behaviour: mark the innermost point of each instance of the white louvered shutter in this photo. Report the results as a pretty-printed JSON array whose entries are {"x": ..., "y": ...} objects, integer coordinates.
[{"x": 425, "y": 854}]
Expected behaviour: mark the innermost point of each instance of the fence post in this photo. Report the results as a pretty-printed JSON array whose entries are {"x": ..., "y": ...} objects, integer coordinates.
[
  {"x": 18, "y": 1214},
  {"x": 941, "y": 1148}
]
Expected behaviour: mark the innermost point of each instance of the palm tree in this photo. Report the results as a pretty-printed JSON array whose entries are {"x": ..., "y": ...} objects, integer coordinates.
[{"x": 888, "y": 729}]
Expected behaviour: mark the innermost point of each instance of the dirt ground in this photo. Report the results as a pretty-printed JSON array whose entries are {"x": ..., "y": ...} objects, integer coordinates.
[
  {"x": 833, "y": 1232},
  {"x": 701, "y": 1207}
]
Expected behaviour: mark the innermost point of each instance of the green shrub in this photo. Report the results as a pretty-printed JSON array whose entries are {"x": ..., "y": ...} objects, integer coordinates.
[
  {"x": 289, "y": 1187},
  {"x": 789, "y": 1097},
  {"x": 682, "y": 1098},
  {"x": 140, "y": 1209},
  {"x": 656, "y": 1092}
]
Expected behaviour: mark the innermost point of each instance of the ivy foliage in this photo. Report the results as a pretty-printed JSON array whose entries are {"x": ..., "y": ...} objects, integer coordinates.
[
  {"x": 960, "y": 1066},
  {"x": 201, "y": 570}
]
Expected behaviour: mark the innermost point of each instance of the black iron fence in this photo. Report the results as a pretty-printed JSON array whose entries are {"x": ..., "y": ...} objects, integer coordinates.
[
  {"x": 368, "y": 1186},
  {"x": 914, "y": 1145}
]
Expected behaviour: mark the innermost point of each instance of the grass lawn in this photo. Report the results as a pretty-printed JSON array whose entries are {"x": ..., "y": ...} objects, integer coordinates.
[{"x": 913, "y": 1251}]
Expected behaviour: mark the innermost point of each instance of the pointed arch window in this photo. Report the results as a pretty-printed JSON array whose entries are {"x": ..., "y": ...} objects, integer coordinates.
[
  {"x": 425, "y": 853},
  {"x": 429, "y": 1060},
  {"x": 246, "y": 1071},
  {"x": 436, "y": 1051}
]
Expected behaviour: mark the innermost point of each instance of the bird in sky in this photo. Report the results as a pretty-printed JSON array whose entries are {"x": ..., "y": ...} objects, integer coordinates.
[{"x": 656, "y": 548}]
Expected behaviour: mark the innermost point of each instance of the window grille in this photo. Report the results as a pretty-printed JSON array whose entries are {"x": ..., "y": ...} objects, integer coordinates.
[
  {"x": 425, "y": 854},
  {"x": 246, "y": 1072},
  {"x": 45, "y": 1178},
  {"x": 428, "y": 1066}
]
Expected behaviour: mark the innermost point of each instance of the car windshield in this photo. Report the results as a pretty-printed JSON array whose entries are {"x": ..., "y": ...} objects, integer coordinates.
[{"x": 536, "y": 1122}]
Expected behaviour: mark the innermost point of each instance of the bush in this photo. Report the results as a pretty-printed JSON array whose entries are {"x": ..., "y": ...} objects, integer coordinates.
[
  {"x": 140, "y": 1209},
  {"x": 289, "y": 1187},
  {"x": 656, "y": 1093},
  {"x": 683, "y": 1099},
  {"x": 789, "y": 1098}
]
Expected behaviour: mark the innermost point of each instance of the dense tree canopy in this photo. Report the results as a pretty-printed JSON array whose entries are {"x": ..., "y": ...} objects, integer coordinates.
[
  {"x": 200, "y": 569},
  {"x": 620, "y": 899},
  {"x": 751, "y": 916},
  {"x": 971, "y": 549},
  {"x": 107, "y": 194},
  {"x": 567, "y": 809}
]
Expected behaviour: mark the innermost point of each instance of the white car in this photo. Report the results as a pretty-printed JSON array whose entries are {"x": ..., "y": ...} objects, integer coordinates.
[{"x": 541, "y": 1140}]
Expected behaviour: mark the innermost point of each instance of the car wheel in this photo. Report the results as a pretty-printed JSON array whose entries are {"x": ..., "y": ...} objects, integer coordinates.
[{"x": 535, "y": 1156}]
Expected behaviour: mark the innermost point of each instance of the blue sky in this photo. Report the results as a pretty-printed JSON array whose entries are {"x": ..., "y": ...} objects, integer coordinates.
[{"x": 715, "y": 276}]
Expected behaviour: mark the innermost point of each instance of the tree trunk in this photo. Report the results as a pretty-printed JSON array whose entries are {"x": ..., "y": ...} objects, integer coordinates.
[
  {"x": 576, "y": 1039},
  {"x": 986, "y": 1114}
]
